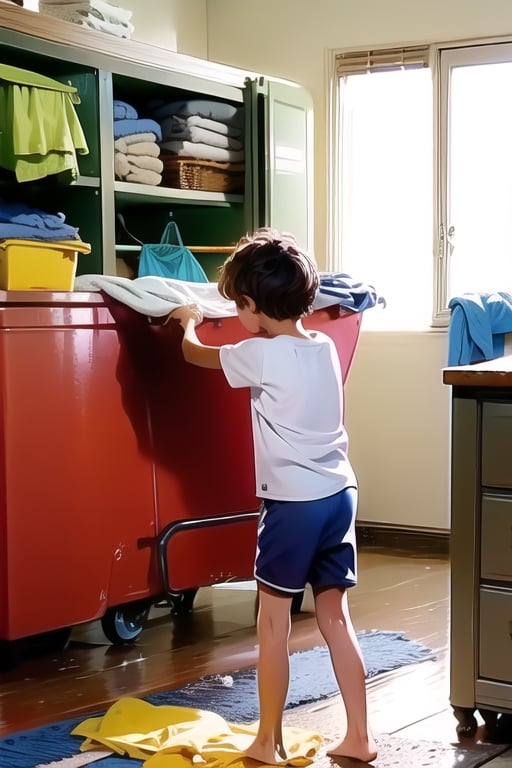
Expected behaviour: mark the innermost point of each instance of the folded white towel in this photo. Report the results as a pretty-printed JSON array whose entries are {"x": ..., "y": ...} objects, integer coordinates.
[
  {"x": 143, "y": 176},
  {"x": 213, "y": 110},
  {"x": 125, "y": 164},
  {"x": 203, "y": 151},
  {"x": 111, "y": 28},
  {"x": 148, "y": 148},
  {"x": 85, "y": 14},
  {"x": 214, "y": 125},
  {"x": 101, "y": 8},
  {"x": 177, "y": 125},
  {"x": 134, "y": 138},
  {"x": 199, "y": 135}
]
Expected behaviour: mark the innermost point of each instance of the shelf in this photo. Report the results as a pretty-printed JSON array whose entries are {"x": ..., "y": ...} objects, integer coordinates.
[
  {"x": 226, "y": 249},
  {"x": 87, "y": 181},
  {"x": 127, "y": 192}
]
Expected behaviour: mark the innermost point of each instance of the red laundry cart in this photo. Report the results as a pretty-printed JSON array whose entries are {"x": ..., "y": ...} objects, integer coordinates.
[{"x": 126, "y": 474}]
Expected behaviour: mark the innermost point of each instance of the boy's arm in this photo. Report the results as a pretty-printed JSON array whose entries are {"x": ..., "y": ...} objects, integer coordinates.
[{"x": 193, "y": 350}]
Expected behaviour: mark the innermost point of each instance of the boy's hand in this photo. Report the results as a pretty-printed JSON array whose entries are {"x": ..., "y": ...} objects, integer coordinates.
[{"x": 186, "y": 313}]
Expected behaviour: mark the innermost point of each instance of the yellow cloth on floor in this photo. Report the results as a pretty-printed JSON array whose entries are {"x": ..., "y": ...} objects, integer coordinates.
[{"x": 178, "y": 737}]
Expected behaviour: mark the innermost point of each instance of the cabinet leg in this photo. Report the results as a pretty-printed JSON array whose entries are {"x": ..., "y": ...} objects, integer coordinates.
[
  {"x": 505, "y": 728},
  {"x": 490, "y": 718},
  {"x": 498, "y": 728},
  {"x": 466, "y": 721}
]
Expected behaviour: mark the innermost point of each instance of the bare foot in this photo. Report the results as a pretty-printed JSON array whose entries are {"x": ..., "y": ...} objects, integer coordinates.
[
  {"x": 267, "y": 753},
  {"x": 366, "y": 750}
]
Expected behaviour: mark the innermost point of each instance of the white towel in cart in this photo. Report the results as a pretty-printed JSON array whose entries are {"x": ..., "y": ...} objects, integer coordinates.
[{"x": 157, "y": 296}]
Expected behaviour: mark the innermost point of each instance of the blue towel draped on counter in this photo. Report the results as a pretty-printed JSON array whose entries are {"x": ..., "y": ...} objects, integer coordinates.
[{"x": 478, "y": 322}]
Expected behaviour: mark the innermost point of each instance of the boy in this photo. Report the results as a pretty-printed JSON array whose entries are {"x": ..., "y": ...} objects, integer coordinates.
[{"x": 306, "y": 531}]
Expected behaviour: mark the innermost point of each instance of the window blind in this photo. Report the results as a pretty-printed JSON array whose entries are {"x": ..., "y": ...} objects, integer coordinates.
[{"x": 381, "y": 60}]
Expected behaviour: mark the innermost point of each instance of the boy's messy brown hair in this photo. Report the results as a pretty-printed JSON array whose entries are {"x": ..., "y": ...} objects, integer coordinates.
[{"x": 271, "y": 268}]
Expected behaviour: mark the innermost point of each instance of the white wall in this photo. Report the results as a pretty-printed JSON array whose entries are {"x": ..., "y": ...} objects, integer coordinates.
[
  {"x": 397, "y": 415},
  {"x": 397, "y": 408},
  {"x": 178, "y": 25}
]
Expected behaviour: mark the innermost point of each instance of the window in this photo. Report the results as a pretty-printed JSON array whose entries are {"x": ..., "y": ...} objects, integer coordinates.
[
  {"x": 424, "y": 178},
  {"x": 476, "y": 168}
]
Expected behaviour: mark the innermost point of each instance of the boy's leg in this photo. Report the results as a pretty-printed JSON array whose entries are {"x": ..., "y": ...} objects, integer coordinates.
[
  {"x": 273, "y": 675},
  {"x": 333, "y": 616}
]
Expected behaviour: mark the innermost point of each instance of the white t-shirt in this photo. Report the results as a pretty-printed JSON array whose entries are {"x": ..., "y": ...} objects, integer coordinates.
[{"x": 300, "y": 443}]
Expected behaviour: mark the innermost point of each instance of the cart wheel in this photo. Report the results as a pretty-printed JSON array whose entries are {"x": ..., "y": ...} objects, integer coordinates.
[
  {"x": 124, "y": 623},
  {"x": 181, "y": 603}
]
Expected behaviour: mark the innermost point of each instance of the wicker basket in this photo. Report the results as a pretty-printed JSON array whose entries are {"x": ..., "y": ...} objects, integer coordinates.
[{"x": 205, "y": 175}]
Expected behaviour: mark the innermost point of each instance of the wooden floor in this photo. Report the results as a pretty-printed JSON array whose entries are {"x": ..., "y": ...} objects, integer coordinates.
[{"x": 398, "y": 590}]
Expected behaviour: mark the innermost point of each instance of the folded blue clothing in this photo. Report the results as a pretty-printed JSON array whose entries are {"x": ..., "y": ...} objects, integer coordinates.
[
  {"x": 124, "y": 111},
  {"x": 352, "y": 294},
  {"x": 24, "y": 232},
  {"x": 142, "y": 125},
  {"x": 19, "y": 220},
  {"x": 477, "y": 328}
]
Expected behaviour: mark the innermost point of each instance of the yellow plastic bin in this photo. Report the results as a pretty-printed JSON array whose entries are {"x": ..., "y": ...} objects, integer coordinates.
[{"x": 39, "y": 265}]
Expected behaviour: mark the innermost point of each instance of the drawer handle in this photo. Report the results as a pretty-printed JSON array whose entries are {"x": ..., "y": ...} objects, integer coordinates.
[{"x": 510, "y": 629}]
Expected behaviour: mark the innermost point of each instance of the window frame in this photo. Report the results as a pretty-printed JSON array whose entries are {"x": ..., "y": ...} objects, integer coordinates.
[{"x": 441, "y": 58}]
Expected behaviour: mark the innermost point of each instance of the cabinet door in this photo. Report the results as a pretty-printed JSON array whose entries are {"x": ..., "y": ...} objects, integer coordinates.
[{"x": 282, "y": 139}]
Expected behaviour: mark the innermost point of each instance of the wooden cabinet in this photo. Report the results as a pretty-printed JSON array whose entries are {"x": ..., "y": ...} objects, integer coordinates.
[
  {"x": 277, "y": 137},
  {"x": 481, "y": 545}
]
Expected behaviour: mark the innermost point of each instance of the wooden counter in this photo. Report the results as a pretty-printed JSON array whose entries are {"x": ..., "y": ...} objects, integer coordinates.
[{"x": 491, "y": 373}]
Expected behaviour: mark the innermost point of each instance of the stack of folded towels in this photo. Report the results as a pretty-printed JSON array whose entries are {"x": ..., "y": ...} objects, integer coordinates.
[
  {"x": 136, "y": 146},
  {"x": 94, "y": 14},
  {"x": 203, "y": 132},
  {"x": 203, "y": 129}
]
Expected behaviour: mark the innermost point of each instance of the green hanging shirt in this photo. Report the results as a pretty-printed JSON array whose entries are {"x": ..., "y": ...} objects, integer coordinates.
[{"x": 40, "y": 133}]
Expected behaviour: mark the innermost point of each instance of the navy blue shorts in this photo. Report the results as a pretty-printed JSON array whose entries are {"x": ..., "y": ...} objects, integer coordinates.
[{"x": 302, "y": 542}]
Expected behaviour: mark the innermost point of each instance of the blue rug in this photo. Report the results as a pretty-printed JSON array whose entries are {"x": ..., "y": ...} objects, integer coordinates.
[{"x": 232, "y": 696}]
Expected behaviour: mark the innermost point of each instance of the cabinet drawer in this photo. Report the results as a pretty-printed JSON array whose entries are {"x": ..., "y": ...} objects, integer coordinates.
[
  {"x": 495, "y": 654},
  {"x": 496, "y": 547},
  {"x": 497, "y": 445}
]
